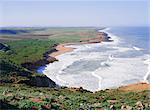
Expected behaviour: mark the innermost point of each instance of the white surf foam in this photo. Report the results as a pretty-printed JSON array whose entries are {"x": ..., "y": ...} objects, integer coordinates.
[
  {"x": 121, "y": 72},
  {"x": 136, "y": 48},
  {"x": 99, "y": 80},
  {"x": 147, "y": 62},
  {"x": 94, "y": 73},
  {"x": 122, "y": 49},
  {"x": 113, "y": 37}
]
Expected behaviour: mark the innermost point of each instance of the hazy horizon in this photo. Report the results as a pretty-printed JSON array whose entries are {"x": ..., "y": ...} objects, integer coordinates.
[{"x": 35, "y": 13}]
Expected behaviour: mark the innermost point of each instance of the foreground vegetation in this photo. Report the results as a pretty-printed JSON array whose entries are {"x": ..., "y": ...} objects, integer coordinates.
[{"x": 23, "y": 97}]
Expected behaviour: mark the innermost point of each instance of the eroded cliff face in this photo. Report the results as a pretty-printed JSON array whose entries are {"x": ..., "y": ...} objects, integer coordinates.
[
  {"x": 40, "y": 81},
  {"x": 33, "y": 66},
  {"x": 100, "y": 37}
]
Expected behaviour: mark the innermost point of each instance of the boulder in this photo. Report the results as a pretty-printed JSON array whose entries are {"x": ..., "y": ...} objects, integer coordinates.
[{"x": 51, "y": 59}]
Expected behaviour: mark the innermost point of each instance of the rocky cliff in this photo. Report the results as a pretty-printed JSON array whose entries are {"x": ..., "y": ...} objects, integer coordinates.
[{"x": 41, "y": 81}]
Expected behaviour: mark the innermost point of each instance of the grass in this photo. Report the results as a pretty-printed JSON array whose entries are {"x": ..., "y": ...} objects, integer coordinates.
[
  {"x": 72, "y": 35},
  {"x": 23, "y": 97},
  {"x": 27, "y": 50}
]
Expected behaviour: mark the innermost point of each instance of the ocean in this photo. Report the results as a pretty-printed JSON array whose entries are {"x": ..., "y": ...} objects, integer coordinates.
[{"x": 105, "y": 65}]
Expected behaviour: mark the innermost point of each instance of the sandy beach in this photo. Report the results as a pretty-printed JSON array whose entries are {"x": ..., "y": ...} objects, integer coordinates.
[{"x": 61, "y": 49}]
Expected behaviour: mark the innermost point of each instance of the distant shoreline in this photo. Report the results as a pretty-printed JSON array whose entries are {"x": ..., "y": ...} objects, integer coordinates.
[{"x": 61, "y": 48}]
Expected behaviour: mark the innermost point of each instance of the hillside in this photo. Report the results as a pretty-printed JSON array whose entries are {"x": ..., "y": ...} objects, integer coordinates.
[{"x": 22, "y": 87}]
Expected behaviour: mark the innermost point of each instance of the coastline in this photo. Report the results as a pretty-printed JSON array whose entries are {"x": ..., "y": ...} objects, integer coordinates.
[
  {"x": 61, "y": 49},
  {"x": 40, "y": 84}
]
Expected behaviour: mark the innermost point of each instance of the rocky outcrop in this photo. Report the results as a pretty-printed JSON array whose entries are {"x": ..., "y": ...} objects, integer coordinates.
[
  {"x": 4, "y": 47},
  {"x": 103, "y": 37},
  {"x": 46, "y": 54},
  {"x": 33, "y": 66},
  {"x": 51, "y": 59},
  {"x": 41, "y": 81}
]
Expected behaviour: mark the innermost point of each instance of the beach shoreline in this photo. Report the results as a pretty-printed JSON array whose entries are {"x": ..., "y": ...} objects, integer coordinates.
[{"x": 63, "y": 48}]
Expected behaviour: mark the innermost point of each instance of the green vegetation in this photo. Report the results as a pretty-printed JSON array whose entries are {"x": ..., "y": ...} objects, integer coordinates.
[
  {"x": 11, "y": 72},
  {"x": 26, "y": 50},
  {"x": 23, "y": 97},
  {"x": 31, "y": 50},
  {"x": 16, "y": 88}
]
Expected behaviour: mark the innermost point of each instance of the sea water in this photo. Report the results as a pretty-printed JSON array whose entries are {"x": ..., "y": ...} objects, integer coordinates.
[{"x": 104, "y": 65}]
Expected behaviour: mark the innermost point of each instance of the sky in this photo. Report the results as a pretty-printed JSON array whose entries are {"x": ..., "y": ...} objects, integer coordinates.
[{"x": 74, "y": 13}]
